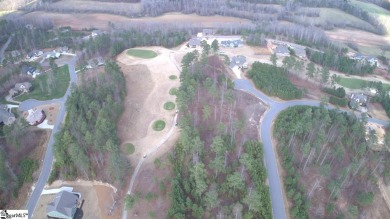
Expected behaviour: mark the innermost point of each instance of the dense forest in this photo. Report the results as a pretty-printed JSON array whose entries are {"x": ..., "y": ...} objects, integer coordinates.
[
  {"x": 17, "y": 144},
  {"x": 273, "y": 81},
  {"x": 218, "y": 165},
  {"x": 330, "y": 169},
  {"x": 339, "y": 62},
  {"x": 87, "y": 146}
]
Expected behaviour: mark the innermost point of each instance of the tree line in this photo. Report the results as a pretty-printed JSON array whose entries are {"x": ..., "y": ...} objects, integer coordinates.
[
  {"x": 273, "y": 81},
  {"x": 327, "y": 149},
  {"x": 340, "y": 62},
  {"x": 87, "y": 146}
]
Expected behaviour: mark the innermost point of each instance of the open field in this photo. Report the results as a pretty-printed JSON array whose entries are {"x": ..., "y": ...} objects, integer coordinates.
[
  {"x": 141, "y": 53},
  {"x": 100, "y": 21},
  {"x": 355, "y": 83},
  {"x": 96, "y": 6},
  {"x": 42, "y": 90},
  {"x": 148, "y": 85},
  {"x": 333, "y": 16},
  {"x": 97, "y": 198}
]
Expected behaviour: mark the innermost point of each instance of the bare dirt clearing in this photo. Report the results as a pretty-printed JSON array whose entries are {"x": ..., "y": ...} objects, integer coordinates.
[
  {"x": 97, "y": 198},
  {"x": 100, "y": 21}
]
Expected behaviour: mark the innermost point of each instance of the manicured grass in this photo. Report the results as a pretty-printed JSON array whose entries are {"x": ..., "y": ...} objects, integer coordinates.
[
  {"x": 41, "y": 89},
  {"x": 141, "y": 53},
  {"x": 355, "y": 83},
  {"x": 173, "y": 77},
  {"x": 173, "y": 91},
  {"x": 129, "y": 148},
  {"x": 158, "y": 125},
  {"x": 169, "y": 106}
]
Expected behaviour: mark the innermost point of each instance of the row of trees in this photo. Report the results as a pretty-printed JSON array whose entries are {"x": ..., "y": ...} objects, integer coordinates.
[
  {"x": 213, "y": 176},
  {"x": 332, "y": 147},
  {"x": 87, "y": 146},
  {"x": 273, "y": 81},
  {"x": 340, "y": 62}
]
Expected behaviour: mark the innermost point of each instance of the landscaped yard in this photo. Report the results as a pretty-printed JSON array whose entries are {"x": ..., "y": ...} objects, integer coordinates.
[
  {"x": 43, "y": 89},
  {"x": 141, "y": 53},
  {"x": 355, "y": 83}
]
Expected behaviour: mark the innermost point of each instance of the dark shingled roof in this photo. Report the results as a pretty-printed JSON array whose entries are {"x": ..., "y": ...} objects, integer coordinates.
[{"x": 63, "y": 203}]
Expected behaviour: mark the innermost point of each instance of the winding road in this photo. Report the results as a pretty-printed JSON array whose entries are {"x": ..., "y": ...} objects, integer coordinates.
[
  {"x": 275, "y": 107},
  {"x": 153, "y": 149},
  {"x": 48, "y": 160}
]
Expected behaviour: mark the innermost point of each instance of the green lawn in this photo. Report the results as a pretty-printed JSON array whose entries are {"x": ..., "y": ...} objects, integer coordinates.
[
  {"x": 173, "y": 91},
  {"x": 41, "y": 89},
  {"x": 370, "y": 8},
  {"x": 169, "y": 106},
  {"x": 355, "y": 83},
  {"x": 173, "y": 77},
  {"x": 129, "y": 148},
  {"x": 141, "y": 53},
  {"x": 158, "y": 125}
]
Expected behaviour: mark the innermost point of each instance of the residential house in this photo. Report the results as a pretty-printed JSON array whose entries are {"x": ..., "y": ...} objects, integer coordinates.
[
  {"x": 238, "y": 62},
  {"x": 358, "y": 101},
  {"x": 35, "y": 116},
  {"x": 23, "y": 87},
  {"x": 63, "y": 206},
  {"x": 20, "y": 88},
  {"x": 6, "y": 116},
  {"x": 299, "y": 51},
  {"x": 15, "y": 54},
  {"x": 53, "y": 55},
  {"x": 13, "y": 92},
  {"x": 26, "y": 69},
  {"x": 194, "y": 42},
  {"x": 34, "y": 54},
  {"x": 62, "y": 49},
  {"x": 231, "y": 43},
  {"x": 365, "y": 59},
  {"x": 95, "y": 62},
  {"x": 282, "y": 50}
]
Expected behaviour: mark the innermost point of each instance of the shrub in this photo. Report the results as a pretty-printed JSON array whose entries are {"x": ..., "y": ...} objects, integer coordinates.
[
  {"x": 158, "y": 125},
  {"x": 338, "y": 101},
  {"x": 339, "y": 92}
]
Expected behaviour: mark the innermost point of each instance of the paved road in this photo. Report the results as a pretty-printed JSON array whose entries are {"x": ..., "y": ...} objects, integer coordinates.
[
  {"x": 275, "y": 107},
  {"x": 48, "y": 160},
  {"x": 155, "y": 148}
]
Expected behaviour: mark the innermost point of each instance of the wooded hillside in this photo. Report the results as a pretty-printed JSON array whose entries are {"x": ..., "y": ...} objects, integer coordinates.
[
  {"x": 330, "y": 168},
  {"x": 218, "y": 164},
  {"x": 87, "y": 146}
]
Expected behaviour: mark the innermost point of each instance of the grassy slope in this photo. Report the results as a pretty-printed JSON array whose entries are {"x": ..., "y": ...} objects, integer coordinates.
[
  {"x": 354, "y": 83},
  {"x": 333, "y": 16},
  {"x": 141, "y": 53},
  {"x": 383, "y": 16},
  {"x": 39, "y": 86}
]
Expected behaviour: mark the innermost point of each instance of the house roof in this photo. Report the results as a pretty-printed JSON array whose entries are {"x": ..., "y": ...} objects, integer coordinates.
[
  {"x": 359, "y": 97},
  {"x": 34, "y": 115},
  {"x": 64, "y": 203},
  {"x": 194, "y": 42},
  {"x": 27, "y": 68},
  {"x": 237, "y": 61},
  {"x": 22, "y": 86},
  {"x": 300, "y": 51},
  {"x": 282, "y": 49},
  {"x": 6, "y": 117}
]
